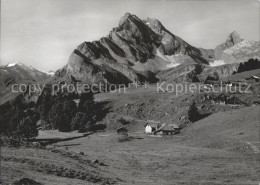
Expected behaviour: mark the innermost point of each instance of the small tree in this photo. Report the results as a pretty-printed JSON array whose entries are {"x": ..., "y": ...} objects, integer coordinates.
[
  {"x": 82, "y": 122},
  {"x": 44, "y": 103},
  {"x": 193, "y": 113},
  {"x": 27, "y": 128},
  {"x": 15, "y": 120},
  {"x": 76, "y": 121},
  {"x": 86, "y": 103},
  {"x": 86, "y": 125}
]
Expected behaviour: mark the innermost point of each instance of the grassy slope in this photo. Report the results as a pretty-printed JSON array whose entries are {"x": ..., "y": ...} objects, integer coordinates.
[
  {"x": 241, "y": 124},
  {"x": 48, "y": 166}
]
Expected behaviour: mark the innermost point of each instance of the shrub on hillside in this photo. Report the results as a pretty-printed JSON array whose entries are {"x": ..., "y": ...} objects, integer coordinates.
[
  {"x": 123, "y": 121},
  {"x": 82, "y": 122},
  {"x": 86, "y": 124},
  {"x": 193, "y": 113},
  {"x": 27, "y": 128}
]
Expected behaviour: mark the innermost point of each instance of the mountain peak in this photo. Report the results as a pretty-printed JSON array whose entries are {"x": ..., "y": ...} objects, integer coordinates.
[
  {"x": 127, "y": 17},
  {"x": 127, "y": 14},
  {"x": 234, "y": 32},
  {"x": 154, "y": 24},
  {"x": 11, "y": 64},
  {"x": 234, "y": 37}
]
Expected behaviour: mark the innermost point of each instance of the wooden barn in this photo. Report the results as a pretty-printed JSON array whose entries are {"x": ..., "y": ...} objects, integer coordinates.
[
  {"x": 168, "y": 129},
  {"x": 162, "y": 129}
]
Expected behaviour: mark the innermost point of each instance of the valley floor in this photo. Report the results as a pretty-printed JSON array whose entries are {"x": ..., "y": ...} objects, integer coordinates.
[
  {"x": 222, "y": 148},
  {"x": 142, "y": 160}
]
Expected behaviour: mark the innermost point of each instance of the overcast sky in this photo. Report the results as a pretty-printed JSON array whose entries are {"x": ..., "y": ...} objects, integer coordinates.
[{"x": 43, "y": 33}]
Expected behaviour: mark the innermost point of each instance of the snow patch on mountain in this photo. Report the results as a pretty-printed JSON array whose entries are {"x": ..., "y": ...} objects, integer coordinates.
[
  {"x": 172, "y": 65},
  {"x": 11, "y": 64},
  {"x": 217, "y": 63},
  {"x": 51, "y": 73},
  {"x": 170, "y": 59}
]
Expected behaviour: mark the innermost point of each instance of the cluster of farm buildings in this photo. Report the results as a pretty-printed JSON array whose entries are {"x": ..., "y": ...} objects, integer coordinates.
[{"x": 161, "y": 129}]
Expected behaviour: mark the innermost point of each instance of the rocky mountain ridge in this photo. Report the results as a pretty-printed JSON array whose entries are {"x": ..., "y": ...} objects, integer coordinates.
[
  {"x": 137, "y": 50},
  {"x": 20, "y": 74},
  {"x": 133, "y": 51}
]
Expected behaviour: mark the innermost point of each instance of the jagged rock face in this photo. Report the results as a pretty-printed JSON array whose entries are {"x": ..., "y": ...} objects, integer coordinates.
[
  {"x": 99, "y": 69},
  {"x": 140, "y": 39},
  {"x": 169, "y": 43},
  {"x": 133, "y": 51},
  {"x": 80, "y": 65},
  {"x": 232, "y": 39},
  {"x": 155, "y": 25},
  {"x": 187, "y": 72},
  {"x": 209, "y": 54},
  {"x": 138, "y": 49}
]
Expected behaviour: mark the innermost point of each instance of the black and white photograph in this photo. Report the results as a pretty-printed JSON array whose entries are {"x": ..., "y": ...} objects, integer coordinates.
[{"x": 130, "y": 92}]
